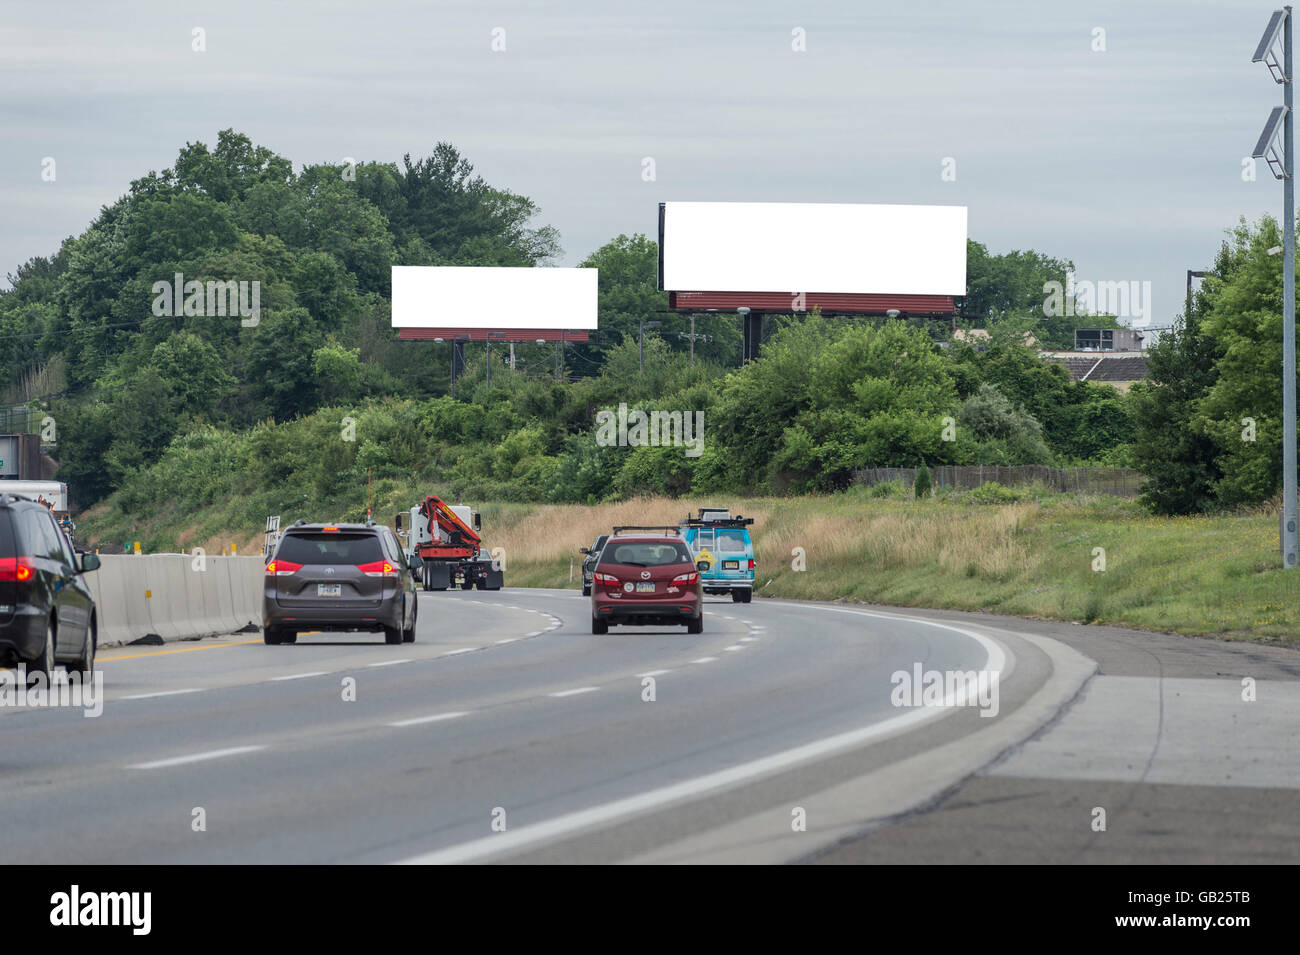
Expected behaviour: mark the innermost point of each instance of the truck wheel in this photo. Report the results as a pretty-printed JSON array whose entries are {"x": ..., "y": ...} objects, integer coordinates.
[
  {"x": 467, "y": 585},
  {"x": 599, "y": 626},
  {"x": 737, "y": 597}
]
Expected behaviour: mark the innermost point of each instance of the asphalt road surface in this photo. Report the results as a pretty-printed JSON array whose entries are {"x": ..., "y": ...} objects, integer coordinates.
[{"x": 508, "y": 732}]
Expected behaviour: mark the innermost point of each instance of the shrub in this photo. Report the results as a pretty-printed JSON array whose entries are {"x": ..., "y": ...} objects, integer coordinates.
[{"x": 922, "y": 486}]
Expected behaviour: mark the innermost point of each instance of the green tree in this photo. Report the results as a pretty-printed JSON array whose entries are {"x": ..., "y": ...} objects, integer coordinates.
[{"x": 1243, "y": 316}]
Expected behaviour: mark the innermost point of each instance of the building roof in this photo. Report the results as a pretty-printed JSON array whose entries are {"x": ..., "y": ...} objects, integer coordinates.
[{"x": 1101, "y": 366}]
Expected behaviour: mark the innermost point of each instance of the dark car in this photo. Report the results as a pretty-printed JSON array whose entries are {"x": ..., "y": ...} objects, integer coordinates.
[
  {"x": 47, "y": 613},
  {"x": 335, "y": 577},
  {"x": 589, "y": 562},
  {"x": 646, "y": 580}
]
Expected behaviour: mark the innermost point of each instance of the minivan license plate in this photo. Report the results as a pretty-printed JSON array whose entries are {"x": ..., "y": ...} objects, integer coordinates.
[
  {"x": 329, "y": 590},
  {"x": 645, "y": 588}
]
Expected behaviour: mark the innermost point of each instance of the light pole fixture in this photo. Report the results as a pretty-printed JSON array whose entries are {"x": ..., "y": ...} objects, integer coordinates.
[{"x": 1281, "y": 162}]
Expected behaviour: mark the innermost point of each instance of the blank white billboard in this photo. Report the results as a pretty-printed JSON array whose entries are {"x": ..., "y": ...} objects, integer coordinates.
[
  {"x": 491, "y": 297},
  {"x": 813, "y": 247}
]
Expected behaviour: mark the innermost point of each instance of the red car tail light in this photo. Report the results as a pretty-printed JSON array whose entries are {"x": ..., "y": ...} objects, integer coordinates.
[
  {"x": 378, "y": 568},
  {"x": 606, "y": 579},
  {"x": 687, "y": 579},
  {"x": 15, "y": 568},
  {"x": 282, "y": 568}
]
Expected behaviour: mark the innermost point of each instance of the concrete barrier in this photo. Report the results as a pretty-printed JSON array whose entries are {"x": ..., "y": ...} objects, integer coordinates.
[{"x": 168, "y": 595}]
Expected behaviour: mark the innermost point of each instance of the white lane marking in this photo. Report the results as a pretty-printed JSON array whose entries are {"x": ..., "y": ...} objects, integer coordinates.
[
  {"x": 654, "y": 673},
  {"x": 535, "y": 633},
  {"x": 733, "y": 648},
  {"x": 196, "y": 757},
  {"x": 748, "y": 639},
  {"x": 581, "y": 689},
  {"x": 298, "y": 676},
  {"x": 388, "y": 663},
  {"x": 150, "y": 696},
  {"x": 704, "y": 660},
  {"x": 435, "y": 718},
  {"x": 507, "y": 640},
  {"x": 656, "y": 798},
  {"x": 452, "y": 653}
]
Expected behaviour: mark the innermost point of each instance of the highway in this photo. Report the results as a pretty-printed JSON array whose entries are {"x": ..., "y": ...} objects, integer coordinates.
[{"x": 509, "y": 733}]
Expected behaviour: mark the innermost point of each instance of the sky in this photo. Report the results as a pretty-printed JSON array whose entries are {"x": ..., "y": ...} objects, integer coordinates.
[{"x": 1120, "y": 150}]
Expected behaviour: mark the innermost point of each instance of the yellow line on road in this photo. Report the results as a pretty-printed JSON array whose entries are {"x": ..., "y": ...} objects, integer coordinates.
[{"x": 161, "y": 653}]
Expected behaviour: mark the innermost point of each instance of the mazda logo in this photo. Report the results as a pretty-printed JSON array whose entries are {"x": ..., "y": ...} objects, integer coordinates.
[{"x": 645, "y": 575}]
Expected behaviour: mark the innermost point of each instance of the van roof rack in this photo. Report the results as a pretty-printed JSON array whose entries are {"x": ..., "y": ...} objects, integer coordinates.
[
  {"x": 738, "y": 521},
  {"x": 670, "y": 528}
]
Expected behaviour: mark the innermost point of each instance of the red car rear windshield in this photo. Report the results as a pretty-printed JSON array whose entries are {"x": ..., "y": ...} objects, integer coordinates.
[
  {"x": 330, "y": 547},
  {"x": 645, "y": 553}
]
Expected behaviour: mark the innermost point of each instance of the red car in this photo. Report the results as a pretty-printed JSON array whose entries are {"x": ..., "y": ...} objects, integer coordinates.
[{"x": 646, "y": 579}]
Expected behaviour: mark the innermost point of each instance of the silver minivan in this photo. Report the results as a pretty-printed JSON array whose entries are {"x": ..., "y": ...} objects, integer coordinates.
[{"x": 335, "y": 577}]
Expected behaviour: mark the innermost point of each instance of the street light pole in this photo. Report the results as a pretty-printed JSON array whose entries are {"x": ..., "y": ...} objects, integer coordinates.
[
  {"x": 1282, "y": 73},
  {"x": 1289, "y": 514},
  {"x": 640, "y": 348}
]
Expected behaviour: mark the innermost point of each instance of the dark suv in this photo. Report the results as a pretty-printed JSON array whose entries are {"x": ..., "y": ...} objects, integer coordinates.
[
  {"x": 47, "y": 613},
  {"x": 646, "y": 579},
  {"x": 339, "y": 577},
  {"x": 591, "y": 556}
]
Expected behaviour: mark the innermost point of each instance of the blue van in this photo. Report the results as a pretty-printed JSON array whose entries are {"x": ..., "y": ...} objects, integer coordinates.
[{"x": 723, "y": 542}]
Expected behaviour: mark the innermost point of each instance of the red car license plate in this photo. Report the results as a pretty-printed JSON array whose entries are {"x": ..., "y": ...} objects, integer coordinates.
[{"x": 645, "y": 588}]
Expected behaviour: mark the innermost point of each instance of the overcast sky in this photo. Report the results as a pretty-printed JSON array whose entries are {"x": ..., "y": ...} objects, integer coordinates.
[{"x": 1126, "y": 161}]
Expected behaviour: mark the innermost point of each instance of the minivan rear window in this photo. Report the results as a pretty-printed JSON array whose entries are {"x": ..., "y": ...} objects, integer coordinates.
[
  {"x": 330, "y": 547},
  {"x": 646, "y": 554}
]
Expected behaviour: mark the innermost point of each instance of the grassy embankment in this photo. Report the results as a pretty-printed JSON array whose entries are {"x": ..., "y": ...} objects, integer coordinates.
[{"x": 1028, "y": 554}]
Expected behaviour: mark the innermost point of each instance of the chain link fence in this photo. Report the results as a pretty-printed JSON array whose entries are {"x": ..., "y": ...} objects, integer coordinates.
[{"x": 1124, "y": 482}]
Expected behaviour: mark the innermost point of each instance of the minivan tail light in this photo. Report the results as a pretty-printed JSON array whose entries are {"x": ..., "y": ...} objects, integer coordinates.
[
  {"x": 606, "y": 579},
  {"x": 686, "y": 579},
  {"x": 15, "y": 568},
  {"x": 282, "y": 568},
  {"x": 378, "y": 568}
]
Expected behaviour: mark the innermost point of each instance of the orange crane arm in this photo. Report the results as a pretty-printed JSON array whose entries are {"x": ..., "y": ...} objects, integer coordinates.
[{"x": 436, "y": 511}]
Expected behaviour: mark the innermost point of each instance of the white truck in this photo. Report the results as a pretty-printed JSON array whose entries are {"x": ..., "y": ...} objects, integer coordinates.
[
  {"x": 444, "y": 539},
  {"x": 55, "y": 492}
]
